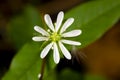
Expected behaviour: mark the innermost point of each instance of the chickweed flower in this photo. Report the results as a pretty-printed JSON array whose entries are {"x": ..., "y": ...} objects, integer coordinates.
[{"x": 56, "y": 35}]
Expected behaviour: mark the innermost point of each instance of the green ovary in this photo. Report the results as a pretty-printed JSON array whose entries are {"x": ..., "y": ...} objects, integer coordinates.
[{"x": 55, "y": 37}]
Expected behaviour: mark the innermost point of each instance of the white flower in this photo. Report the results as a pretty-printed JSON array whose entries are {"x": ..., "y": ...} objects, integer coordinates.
[{"x": 57, "y": 36}]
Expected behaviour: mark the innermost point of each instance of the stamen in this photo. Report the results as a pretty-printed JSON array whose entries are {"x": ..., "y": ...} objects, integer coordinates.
[
  {"x": 55, "y": 37},
  {"x": 48, "y": 30}
]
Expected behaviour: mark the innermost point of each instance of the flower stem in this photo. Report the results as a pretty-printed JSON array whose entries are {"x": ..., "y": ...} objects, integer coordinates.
[
  {"x": 42, "y": 69},
  {"x": 43, "y": 63}
]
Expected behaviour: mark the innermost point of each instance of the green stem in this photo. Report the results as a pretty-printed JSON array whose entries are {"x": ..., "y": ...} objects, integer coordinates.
[
  {"x": 42, "y": 69},
  {"x": 43, "y": 62}
]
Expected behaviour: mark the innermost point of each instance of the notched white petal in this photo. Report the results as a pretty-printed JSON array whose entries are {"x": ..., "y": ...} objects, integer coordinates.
[
  {"x": 49, "y": 22},
  {"x": 72, "y": 33},
  {"x": 71, "y": 42},
  {"x": 46, "y": 50},
  {"x": 65, "y": 52},
  {"x": 59, "y": 20},
  {"x": 56, "y": 53},
  {"x": 66, "y": 25},
  {"x": 41, "y": 30},
  {"x": 40, "y": 38}
]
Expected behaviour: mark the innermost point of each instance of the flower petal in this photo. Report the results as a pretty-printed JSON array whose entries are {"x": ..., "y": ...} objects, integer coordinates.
[
  {"x": 65, "y": 52},
  {"x": 41, "y": 30},
  {"x": 56, "y": 53},
  {"x": 59, "y": 20},
  {"x": 66, "y": 24},
  {"x": 49, "y": 22},
  {"x": 72, "y": 33},
  {"x": 40, "y": 38},
  {"x": 46, "y": 50},
  {"x": 70, "y": 42}
]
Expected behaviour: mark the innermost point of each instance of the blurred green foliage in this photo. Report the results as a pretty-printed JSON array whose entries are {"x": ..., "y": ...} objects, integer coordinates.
[
  {"x": 94, "y": 77},
  {"x": 68, "y": 74},
  {"x": 21, "y": 26},
  {"x": 93, "y": 18}
]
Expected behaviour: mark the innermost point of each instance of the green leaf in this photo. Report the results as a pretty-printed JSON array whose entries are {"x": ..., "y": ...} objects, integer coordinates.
[
  {"x": 21, "y": 26},
  {"x": 26, "y": 65},
  {"x": 94, "y": 19}
]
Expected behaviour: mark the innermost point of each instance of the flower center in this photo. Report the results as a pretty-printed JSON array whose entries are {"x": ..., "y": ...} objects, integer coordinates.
[{"x": 55, "y": 37}]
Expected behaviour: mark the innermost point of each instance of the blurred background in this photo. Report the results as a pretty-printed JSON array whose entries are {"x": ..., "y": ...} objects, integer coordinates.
[{"x": 101, "y": 58}]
